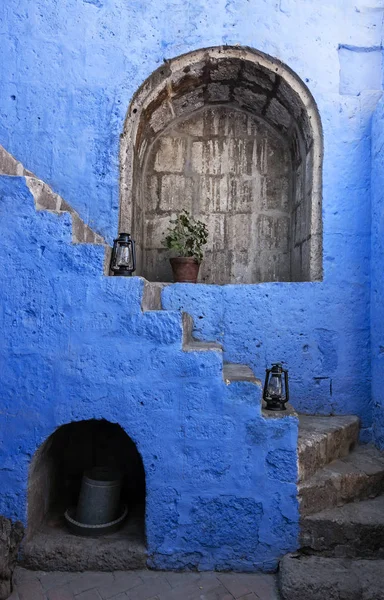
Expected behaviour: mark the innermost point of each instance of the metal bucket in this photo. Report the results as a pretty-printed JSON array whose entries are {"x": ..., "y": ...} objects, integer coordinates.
[{"x": 99, "y": 499}]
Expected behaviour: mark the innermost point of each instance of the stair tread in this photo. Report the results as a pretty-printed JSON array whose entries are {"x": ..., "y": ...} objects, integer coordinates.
[
  {"x": 201, "y": 346},
  {"x": 364, "y": 512},
  {"x": 318, "y": 577},
  {"x": 236, "y": 372},
  {"x": 353, "y": 530},
  {"x": 366, "y": 460},
  {"x": 358, "y": 476},
  {"x": 323, "y": 439},
  {"x": 314, "y": 425}
]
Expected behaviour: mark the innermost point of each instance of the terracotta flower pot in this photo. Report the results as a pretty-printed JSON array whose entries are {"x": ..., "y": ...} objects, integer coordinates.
[{"x": 185, "y": 269}]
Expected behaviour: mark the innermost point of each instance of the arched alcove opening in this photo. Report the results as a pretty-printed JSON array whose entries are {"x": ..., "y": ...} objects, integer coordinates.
[
  {"x": 54, "y": 484},
  {"x": 233, "y": 136}
]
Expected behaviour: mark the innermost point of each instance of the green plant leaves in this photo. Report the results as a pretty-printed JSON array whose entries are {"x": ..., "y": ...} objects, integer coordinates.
[{"x": 187, "y": 236}]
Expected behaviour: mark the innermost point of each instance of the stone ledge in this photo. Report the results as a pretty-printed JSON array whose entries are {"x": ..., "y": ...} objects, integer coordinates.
[
  {"x": 358, "y": 476},
  {"x": 279, "y": 414},
  {"x": 46, "y": 199},
  {"x": 351, "y": 531},
  {"x": 317, "y": 578},
  {"x": 10, "y": 537},
  {"x": 233, "y": 372},
  {"x": 324, "y": 439}
]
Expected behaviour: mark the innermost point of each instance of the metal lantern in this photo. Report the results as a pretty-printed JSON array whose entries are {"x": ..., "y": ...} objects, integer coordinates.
[
  {"x": 276, "y": 390},
  {"x": 123, "y": 260}
]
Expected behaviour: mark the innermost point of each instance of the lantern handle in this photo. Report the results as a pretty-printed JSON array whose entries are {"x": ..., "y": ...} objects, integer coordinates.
[
  {"x": 113, "y": 257},
  {"x": 267, "y": 372},
  {"x": 133, "y": 254},
  {"x": 286, "y": 385}
]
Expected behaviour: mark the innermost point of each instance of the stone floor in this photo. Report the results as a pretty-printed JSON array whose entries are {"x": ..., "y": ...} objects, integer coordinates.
[{"x": 142, "y": 585}]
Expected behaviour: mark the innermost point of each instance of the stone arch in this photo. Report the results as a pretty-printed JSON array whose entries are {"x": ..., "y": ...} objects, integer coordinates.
[
  {"x": 234, "y": 136},
  {"x": 54, "y": 484}
]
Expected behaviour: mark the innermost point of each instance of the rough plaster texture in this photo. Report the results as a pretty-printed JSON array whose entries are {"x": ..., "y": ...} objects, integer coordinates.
[
  {"x": 220, "y": 478},
  {"x": 233, "y": 172},
  {"x": 46, "y": 199},
  {"x": 65, "y": 92},
  {"x": 67, "y": 330},
  {"x": 64, "y": 97},
  {"x": 377, "y": 285},
  {"x": 325, "y": 343}
]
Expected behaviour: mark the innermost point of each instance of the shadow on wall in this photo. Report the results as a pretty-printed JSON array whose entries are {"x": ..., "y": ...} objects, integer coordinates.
[{"x": 59, "y": 464}]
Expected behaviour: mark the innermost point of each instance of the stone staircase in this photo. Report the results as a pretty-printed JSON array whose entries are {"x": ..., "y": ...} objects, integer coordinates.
[
  {"x": 341, "y": 495},
  {"x": 232, "y": 372},
  {"x": 50, "y": 546},
  {"x": 46, "y": 199}
]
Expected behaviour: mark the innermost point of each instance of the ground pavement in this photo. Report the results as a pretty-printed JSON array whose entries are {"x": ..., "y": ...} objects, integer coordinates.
[{"x": 142, "y": 585}]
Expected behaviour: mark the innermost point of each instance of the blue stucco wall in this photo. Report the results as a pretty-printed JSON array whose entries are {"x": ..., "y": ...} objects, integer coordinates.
[
  {"x": 70, "y": 68},
  {"x": 377, "y": 285},
  {"x": 68, "y": 72},
  {"x": 221, "y": 479}
]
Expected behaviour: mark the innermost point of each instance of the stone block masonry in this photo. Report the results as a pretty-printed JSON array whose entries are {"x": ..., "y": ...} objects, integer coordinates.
[
  {"x": 237, "y": 120},
  {"x": 215, "y": 166}
]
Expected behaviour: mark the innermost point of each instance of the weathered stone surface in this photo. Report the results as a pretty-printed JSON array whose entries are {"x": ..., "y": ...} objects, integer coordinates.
[
  {"x": 316, "y": 578},
  {"x": 233, "y": 372},
  {"x": 55, "y": 549},
  {"x": 45, "y": 198},
  {"x": 170, "y": 156},
  {"x": 358, "y": 476},
  {"x": 213, "y": 164},
  {"x": 9, "y": 165},
  {"x": 10, "y": 537},
  {"x": 145, "y": 585},
  {"x": 353, "y": 530},
  {"x": 324, "y": 439},
  {"x": 152, "y": 295}
]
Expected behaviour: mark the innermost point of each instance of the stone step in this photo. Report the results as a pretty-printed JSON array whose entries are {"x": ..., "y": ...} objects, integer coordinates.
[
  {"x": 200, "y": 346},
  {"x": 350, "y": 531},
  {"x": 54, "y": 548},
  {"x": 151, "y": 299},
  {"x": 324, "y": 439},
  {"x": 358, "y": 476},
  {"x": 190, "y": 344},
  {"x": 46, "y": 199},
  {"x": 317, "y": 578},
  {"x": 233, "y": 372}
]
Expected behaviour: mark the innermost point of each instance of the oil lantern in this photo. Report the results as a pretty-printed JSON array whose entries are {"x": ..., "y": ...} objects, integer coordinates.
[
  {"x": 123, "y": 260},
  {"x": 276, "y": 391}
]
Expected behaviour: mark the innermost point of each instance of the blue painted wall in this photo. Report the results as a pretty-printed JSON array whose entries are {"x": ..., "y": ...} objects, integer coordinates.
[
  {"x": 68, "y": 72},
  {"x": 70, "y": 68},
  {"x": 377, "y": 285},
  {"x": 220, "y": 478}
]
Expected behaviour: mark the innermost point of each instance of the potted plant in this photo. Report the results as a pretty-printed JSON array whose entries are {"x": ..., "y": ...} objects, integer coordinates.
[{"x": 187, "y": 237}]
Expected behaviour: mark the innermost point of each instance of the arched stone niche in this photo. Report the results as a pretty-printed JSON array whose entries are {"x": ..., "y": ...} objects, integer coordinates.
[
  {"x": 233, "y": 136},
  {"x": 57, "y": 469}
]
